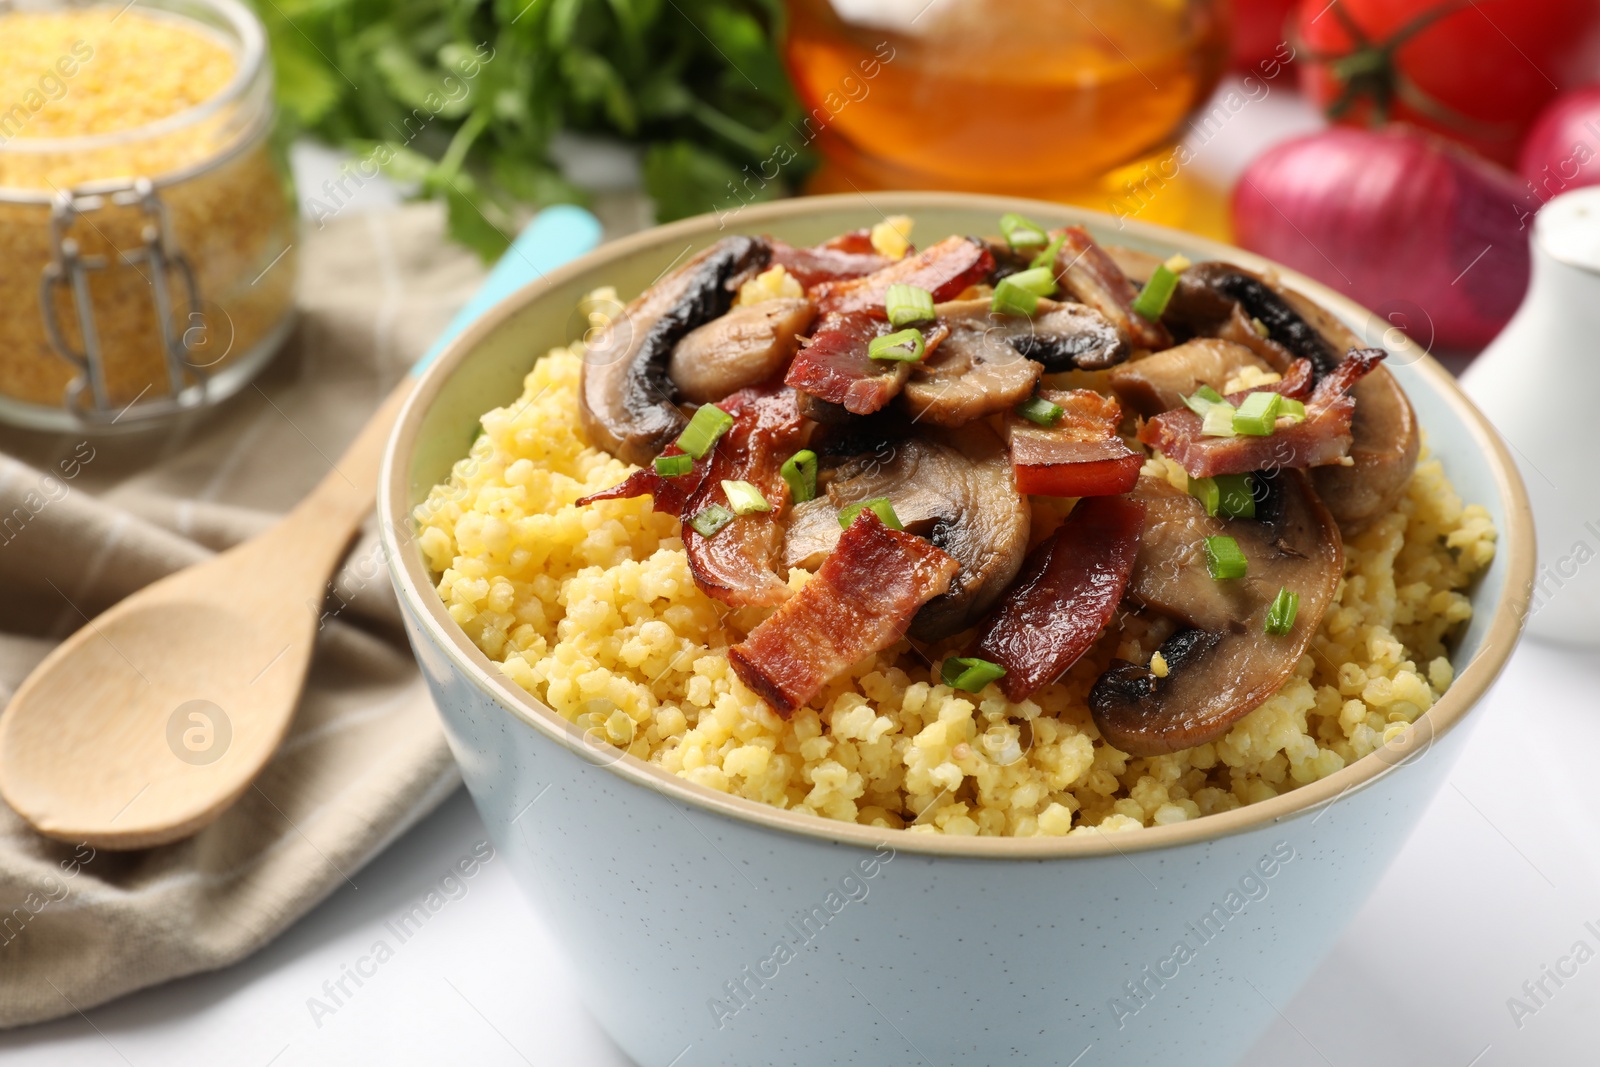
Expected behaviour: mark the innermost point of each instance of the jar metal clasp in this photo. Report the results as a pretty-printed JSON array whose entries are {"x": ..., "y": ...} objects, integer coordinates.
[{"x": 88, "y": 395}]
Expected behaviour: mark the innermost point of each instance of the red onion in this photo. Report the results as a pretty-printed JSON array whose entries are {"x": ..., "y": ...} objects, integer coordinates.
[
  {"x": 1563, "y": 148},
  {"x": 1431, "y": 238}
]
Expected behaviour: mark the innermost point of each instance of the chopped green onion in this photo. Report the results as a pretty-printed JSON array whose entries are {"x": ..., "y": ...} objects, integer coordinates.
[
  {"x": 879, "y": 507},
  {"x": 708, "y": 424},
  {"x": 744, "y": 498},
  {"x": 907, "y": 304},
  {"x": 709, "y": 523},
  {"x": 1038, "y": 409},
  {"x": 800, "y": 471},
  {"x": 969, "y": 673},
  {"x": 1228, "y": 495},
  {"x": 1152, "y": 299},
  {"x": 1021, "y": 232},
  {"x": 1218, "y": 420},
  {"x": 1236, "y": 498},
  {"x": 1040, "y": 281},
  {"x": 1047, "y": 258},
  {"x": 673, "y": 466},
  {"x": 1018, "y": 294},
  {"x": 1224, "y": 560},
  {"x": 1202, "y": 400},
  {"x": 907, "y": 346},
  {"x": 1257, "y": 414},
  {"x": 1294, "y": 410},
  {"x": 1280, "y": 616},
  {"x": 1013, "y": 300}
]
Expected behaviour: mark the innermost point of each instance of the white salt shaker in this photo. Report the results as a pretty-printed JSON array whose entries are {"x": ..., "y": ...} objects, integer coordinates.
[{"x": 1539, "y": 383}]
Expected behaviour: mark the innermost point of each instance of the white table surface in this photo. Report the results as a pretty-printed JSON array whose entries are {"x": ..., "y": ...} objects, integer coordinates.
[{"x": 1497, "y": 882}]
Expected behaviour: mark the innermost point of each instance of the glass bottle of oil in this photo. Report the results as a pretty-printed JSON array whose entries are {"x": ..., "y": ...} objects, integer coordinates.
[{"x": 1056, "y": 99}]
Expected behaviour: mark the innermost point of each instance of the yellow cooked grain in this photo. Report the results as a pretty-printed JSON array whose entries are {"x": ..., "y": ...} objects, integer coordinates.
[{"x": 593, "y": 610}]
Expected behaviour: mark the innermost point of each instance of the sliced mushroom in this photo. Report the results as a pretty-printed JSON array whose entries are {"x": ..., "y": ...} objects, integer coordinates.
[
  {"x": 1063, "y": 335},
  {"x": 1221, "y": 664},
  {"x": 1215, "y": 297},
  {"x": 1161, "y": 380},
  {"x": 956, "y": 491},
  {"x": 975, "y": 371},
  {"x": 745, "y": 347},
  {"x": 626, "y": 400}
]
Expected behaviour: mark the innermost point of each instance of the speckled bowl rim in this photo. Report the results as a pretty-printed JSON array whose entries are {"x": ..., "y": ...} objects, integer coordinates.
[{"x": 416, "y": 588}]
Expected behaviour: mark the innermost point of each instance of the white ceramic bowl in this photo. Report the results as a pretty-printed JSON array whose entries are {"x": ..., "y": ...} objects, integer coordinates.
[{"x": 708, "y": 929}]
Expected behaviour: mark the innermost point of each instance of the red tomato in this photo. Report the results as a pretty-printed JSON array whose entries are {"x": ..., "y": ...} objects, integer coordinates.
[
  {"x": 1260, "y": 28},
  {"x": 1475, "y": 71}
]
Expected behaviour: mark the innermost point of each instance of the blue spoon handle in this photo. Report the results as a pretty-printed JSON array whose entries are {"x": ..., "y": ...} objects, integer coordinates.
[{"x": 555, "y": 236}]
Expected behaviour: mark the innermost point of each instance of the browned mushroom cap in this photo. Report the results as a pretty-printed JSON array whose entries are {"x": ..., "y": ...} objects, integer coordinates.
[
  {"x": 975, "y": 371},
  {"x": 745, "y": 347},
  {"x": 1221, "y": 664},
  {"x": 957, "y": 491},
  {"x": 1385, "y": 438},
  {"x": 626, "y": 400},
  {"x": 1161, "y": 380},
  {"x": 1213, "y": 298}
]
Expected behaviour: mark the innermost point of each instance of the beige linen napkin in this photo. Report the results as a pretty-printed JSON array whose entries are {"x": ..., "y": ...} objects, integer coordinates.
[{"x": 85, "y": 521}]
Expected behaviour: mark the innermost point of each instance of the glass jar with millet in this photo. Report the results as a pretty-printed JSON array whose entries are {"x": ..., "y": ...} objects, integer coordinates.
[
  {"x": 147, "y": 259},
  {"x": 1059, "y": 101}
]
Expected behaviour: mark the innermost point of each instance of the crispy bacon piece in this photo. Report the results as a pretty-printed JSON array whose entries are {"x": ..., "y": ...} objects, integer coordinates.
[
  {"x": 860, "y": 601},
  {"x": 833, "y": 364},
  {"x": 1093, "y": 277},
  {"x": 850, "y": 255},
  {"x": 1323, "y": 438},
  {"x": 945, "y": 270},
  {"x": 1070, "y": 587},
  {"x": 1081, "y": 455},
  {"x": 738, "y": 565},
  {"x": 671, "y": 494}
]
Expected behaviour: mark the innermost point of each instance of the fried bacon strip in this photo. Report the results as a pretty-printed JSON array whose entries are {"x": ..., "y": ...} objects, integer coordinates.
[
  {"x": 1323, "y": 438},
  {"x": 1081, "y": 455},
  {"x": 860, "y": 601},
  {"x": 847, "y": 256},
  {"x": 738, "y": 565},
  {"x": 1069, "y": 589},
  {"x": 1093, "y": 277},
  {"x": 945, "y": 270},
  {"x": 833, "y": 364}
]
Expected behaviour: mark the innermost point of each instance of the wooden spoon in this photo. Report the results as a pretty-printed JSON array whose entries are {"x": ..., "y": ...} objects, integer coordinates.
[{"x": 151, "y": 720}]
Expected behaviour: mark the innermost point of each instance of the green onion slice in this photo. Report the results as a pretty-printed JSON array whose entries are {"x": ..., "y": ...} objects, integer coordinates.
[
  {"x": 907, "y": 346},
  {"x": 709, "y": 522},
  {"x": 1228, "y": 495},
  {"x": 1294, "y": 410},
  {"x": 673, "y": 466},
  {"x": 708, "y": 424},
  {"x": 1218, "y": 420},
  {"x": 800, "y": 471},
  {"x": 1013, "y": 300},
  {"x": 908, "y": 304},
  {"x": 1257, "y": 414},
  {"x": 1038, "y": 409},
  {"x": 1021, "y": 232},
  {"x": 879, "y": 506},
  {"x": 1203, "y": 400},
  {"x": 744, "y": 498},
  {"x": 969, "y": 673},
  {"x": 1047, "y": 258},
  {"x": 1152, "y": 299},
  {"x": 1224, "y": 560},
  {"x": 1040, "y": 281},
  {"x": 1280, "y": 616}
]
